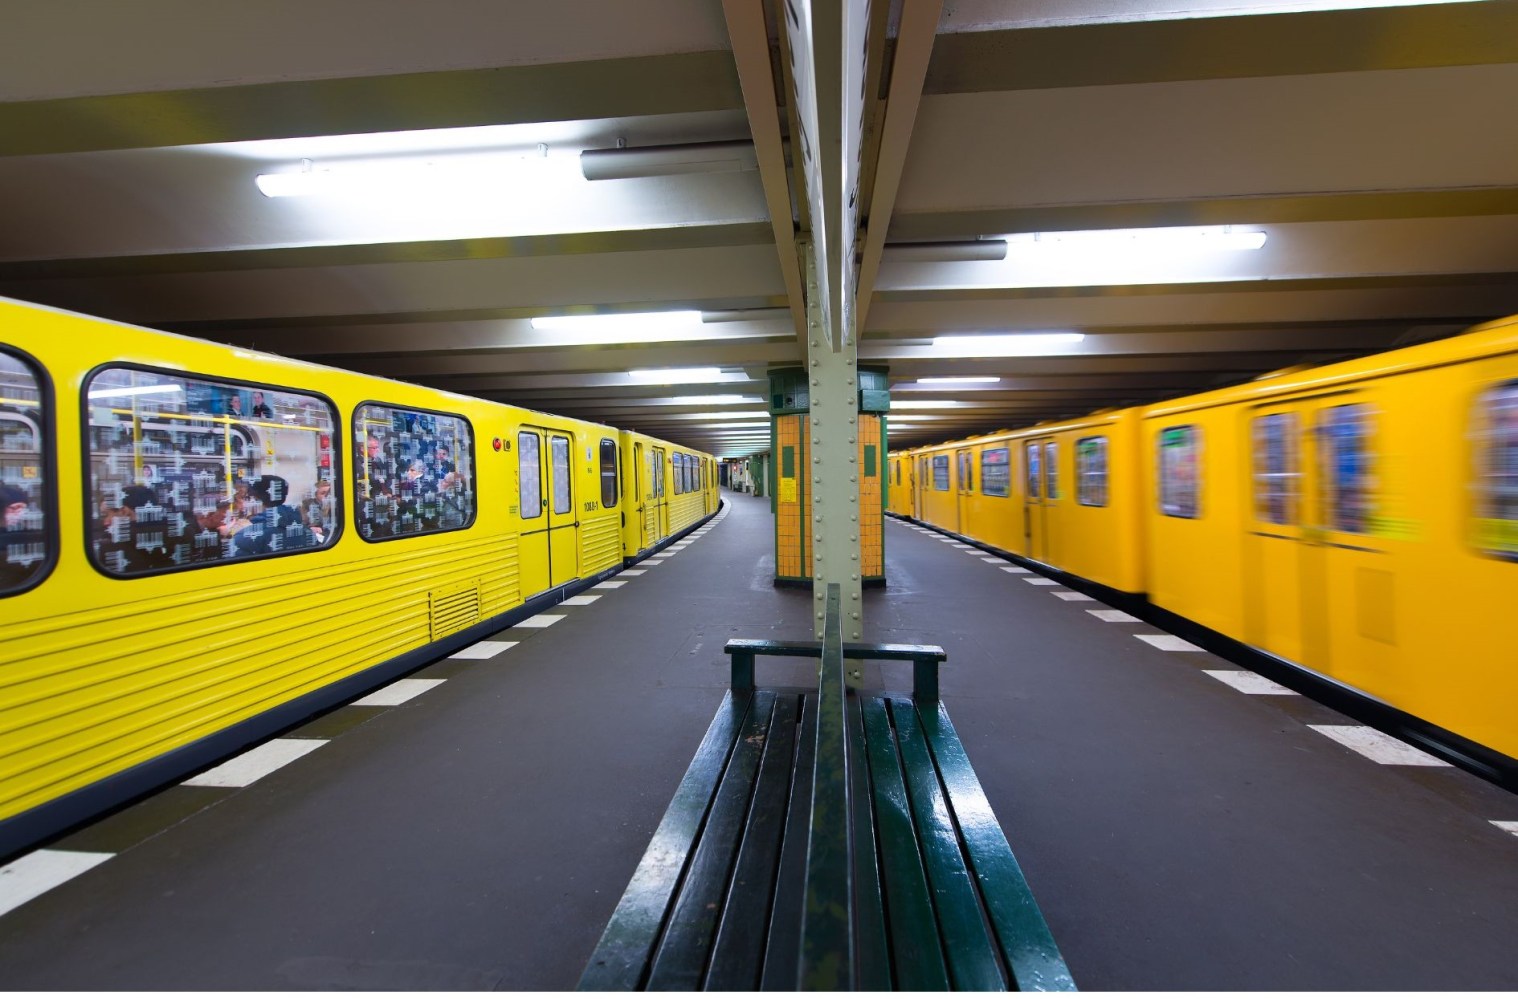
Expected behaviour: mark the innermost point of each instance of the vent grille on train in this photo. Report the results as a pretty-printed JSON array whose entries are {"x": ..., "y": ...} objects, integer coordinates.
[{"x": 454, "y": 609}]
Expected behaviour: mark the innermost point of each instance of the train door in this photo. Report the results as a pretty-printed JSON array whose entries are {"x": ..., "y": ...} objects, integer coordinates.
[
  {"x": 656, "y": 514},
  {"x": 548, "y": 552},
  {"x": 919, "y": 483},
  {"x": 1035, "y": 512},
  {"x": 965, "y": 488}
]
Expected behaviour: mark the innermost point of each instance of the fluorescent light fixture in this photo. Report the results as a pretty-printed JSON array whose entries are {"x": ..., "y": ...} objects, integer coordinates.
[
  {"x": 1180, "y": 239},
  {"x": 117, "y": 393},
  {"x": 743, "y": 414},
  {"x": 944, "y": 252},
  {"x": 623, "y": 324},
  {"x": 497, "y": 173},
  {"x": 708, "y": 400},
  {"x": 960, "y": 380},
  {"x": 1004, "y": 344},
  {"x": 631, "y": 162},
  {"x": 676, "y": 376},
  {"x": 925, "y": 404},
  {"x": 737, "y": 426}
]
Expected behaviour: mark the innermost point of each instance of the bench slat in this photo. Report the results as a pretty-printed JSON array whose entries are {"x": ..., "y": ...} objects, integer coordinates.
[
  {"x": 738, "y": 954},
  {"x": 919, "y": 961},
  {"x": 872, "y": 954},
  {"x": 680, "y": 962},
  {"x": 971, "y": 952},
  {"x": 621, "y": 958},
  {"x": 1027, "y": 945},
  {"x": 782, "y": 952}
]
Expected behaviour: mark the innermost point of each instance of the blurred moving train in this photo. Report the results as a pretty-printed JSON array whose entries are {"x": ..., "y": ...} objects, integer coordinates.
[
  {"x": 1358, "y": 520},
  {"x": 192, "y": 560}
]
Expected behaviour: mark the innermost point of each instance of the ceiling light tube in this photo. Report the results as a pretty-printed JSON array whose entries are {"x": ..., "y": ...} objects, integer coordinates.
[
  {"x": 629, "y": 162},
  {"x": 1004, "y": 345},
  {"x": 959, "y": 380},
  {"x": 678, "y": 376}
]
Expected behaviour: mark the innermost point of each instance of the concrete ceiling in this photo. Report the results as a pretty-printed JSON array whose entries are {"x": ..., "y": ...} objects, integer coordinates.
[{"x": 1374, "y": 146}]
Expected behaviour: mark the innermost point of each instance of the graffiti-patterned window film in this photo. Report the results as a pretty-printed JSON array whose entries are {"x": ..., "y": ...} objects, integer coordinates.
[
  {"x": 187, "y": 471},
  {"x": 1180, "y": 471},
  {"x": 996, "y": 472},
  {"x": 558, "y": 449},
  {"x": 1345, "y": 457},
  {"x": 1496, "y": 440},
  {"x": 1276, "y": 471},
  {"x": 1091, "y": 471},
  {"x": 25, "y": 540},
  {"x": 413, "y": 472}
]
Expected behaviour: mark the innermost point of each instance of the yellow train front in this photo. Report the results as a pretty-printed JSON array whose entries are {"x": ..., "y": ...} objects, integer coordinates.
[
  {"x": 1358, "y": 520},
  {"x": 192, "y": 558}
]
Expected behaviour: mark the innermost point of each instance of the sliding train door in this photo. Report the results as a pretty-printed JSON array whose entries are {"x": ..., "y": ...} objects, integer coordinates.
[{"x": 548, "y": 551}]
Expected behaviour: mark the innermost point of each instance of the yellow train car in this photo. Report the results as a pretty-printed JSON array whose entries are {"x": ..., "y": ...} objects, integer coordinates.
[
  {"x": 670, "y": 488},
  {"x": 1360, "y": 519},
  {"x": 192, "y": 558},
  {"x": 1064, "y": 494},
  {"x": 901, "y": 487}
]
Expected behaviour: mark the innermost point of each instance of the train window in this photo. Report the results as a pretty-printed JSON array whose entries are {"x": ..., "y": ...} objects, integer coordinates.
[
  {"x": 186, "y": 471},
  {"x": 1276, "y": 471},
  {"x": 1051, "y": 470},
  {"x": 610, "y": 484},
  {"x": 558, "y": 449},
  {"x": 26, "y": 534},
  {"x": 685, "y": 473},
  {"x": 966, "y": 472},
  {"x": 529, "y": 474},
  {"x": 996, "y": 472},
  {"x": 1091, "y": 471},
  {"x": 1034, "y": 475},
  {"x": 1344, "y": 450},
  {"x": 1497, "y": 468},
  {"x": 656, "y": 470},
  {"x": 941, "y": 473},
  {"x": 1180, "y": 471},
  {"x": 413, "y": 472}
]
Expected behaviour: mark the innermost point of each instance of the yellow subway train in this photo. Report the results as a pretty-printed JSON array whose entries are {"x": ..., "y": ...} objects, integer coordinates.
[
  {"x": 1357, "y": 521},
  {"x": 203, "y": 545}
]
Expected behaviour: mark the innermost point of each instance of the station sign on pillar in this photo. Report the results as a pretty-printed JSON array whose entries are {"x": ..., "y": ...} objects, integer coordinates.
[{"x": 796, "y": 471}]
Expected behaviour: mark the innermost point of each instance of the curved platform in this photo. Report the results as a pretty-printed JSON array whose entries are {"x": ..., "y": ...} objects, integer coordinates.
[{"x": 1183, "y": 825}]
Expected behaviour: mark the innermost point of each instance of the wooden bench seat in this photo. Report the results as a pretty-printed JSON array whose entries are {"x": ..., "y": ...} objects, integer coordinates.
[{"x": 828, "y": 840}]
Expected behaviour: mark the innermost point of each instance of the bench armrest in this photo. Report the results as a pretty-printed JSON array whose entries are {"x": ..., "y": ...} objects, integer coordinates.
[{"x": 925, "y": 660}]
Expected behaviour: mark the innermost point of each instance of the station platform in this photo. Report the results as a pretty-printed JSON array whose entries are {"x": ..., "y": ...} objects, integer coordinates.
[{"x": 1182, "y": 825}]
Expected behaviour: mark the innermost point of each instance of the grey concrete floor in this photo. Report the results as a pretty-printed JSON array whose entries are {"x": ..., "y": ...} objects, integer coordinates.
[{"x": 1178, "y": 834}]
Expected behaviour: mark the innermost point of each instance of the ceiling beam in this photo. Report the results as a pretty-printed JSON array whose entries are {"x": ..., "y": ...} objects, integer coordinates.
[
  {"x": 914, "y": 44},
  {"x": 748, "y": 31}
]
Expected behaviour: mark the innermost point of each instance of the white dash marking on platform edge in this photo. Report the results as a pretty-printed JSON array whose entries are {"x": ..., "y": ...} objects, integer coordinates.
[
  {"x": 1041, "y": 581},
  {"x": 652, "y": 561},
  {"x": 993, "y": 561},
  {"x": 1113, "y": 616},
  {"x": 1016, "y": 569},
  {"x": 1246, "y": 682},
  {"x": 40, "y": 871},
  {"x": 1506, "y": 826},
  {"x": 631, "y": 572},
  {"x": 581, "y": 600},
  {"x": 256, "y": 763},
  {"x": 1169, "y": 643},
  {"x": 610, "y": 584},
  {"x": 1378, "y": 746},
  {"x": 540, "y": 621},
  {"x": 483, "y": 650},
  {"x": 1072, "y": 595},
  {"x": 398, "y": 692}
]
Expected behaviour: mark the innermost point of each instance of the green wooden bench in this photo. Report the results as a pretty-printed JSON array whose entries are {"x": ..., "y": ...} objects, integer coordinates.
[{"x": 828, "y": 840}]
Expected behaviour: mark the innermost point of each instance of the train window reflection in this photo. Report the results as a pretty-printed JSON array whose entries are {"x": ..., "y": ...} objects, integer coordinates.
[
  {"x": 1051, "y": 469},
  {"x": 996, "y": 472},
  {"x": 1091, "y": 471},
  {"x": 529, "y": 475},
  {"x": 1344, "y": 452},
  {"x": 1276, "y": 472},
  {"x": 1034, "y": 474},
  {"x": 1497, "y": 468},
  {"x": 1180, "y": 471},
  {"x": 190, "y": 471},
  {"x": 25, "y": 540},
  {"x": 558, "y": 448},
  {"x": 413, "y": 472},
  {"x": 966, "y": 472},
  {"x": 610, "y": 484},
  {"x": 941, "y": 473}
]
